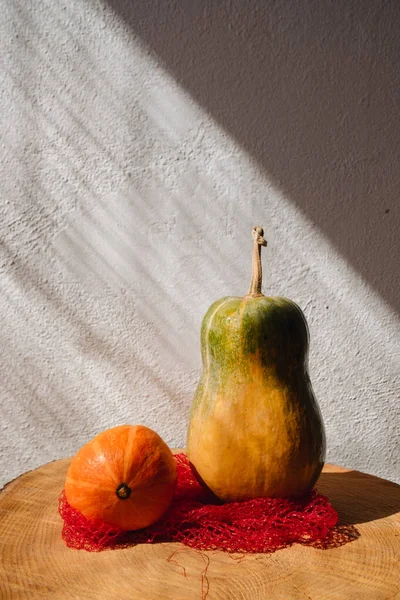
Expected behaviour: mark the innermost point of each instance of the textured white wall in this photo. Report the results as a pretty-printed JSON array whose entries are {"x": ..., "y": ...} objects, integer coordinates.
[{"x": 140, "y": 143}]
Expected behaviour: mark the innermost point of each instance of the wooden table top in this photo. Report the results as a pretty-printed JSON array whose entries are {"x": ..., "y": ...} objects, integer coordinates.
[{"x": 36, "y": 563}]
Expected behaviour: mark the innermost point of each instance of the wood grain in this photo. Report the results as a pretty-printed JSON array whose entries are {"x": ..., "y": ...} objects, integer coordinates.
[{"x": 35, "y": 563}]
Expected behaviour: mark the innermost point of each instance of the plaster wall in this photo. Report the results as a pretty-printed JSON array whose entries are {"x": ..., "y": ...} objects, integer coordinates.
[{"x": 128, "y": 194}]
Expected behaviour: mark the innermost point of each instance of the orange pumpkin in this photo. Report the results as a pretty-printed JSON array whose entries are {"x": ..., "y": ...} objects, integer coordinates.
[{"x": 125, "y": 476}]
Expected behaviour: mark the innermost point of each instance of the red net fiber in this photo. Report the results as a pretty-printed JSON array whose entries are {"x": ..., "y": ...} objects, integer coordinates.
[{"x": 197, "y": 520}]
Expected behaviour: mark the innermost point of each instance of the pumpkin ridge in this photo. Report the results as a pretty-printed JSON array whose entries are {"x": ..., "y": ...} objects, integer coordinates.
[
  {"x": 150, "y": 484},
  {"x": 128, "y": 452},
  {"x": 88, "y": 484},
  {"x": 139, "y": 470},
  {"x": 98, "y": 451}
]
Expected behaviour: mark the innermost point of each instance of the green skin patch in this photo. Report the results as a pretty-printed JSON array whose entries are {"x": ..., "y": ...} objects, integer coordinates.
[{"x": 237, "y": 331}]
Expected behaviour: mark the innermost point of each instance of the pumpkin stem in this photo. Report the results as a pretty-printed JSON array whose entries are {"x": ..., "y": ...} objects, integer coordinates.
[
  {"x": 256, "y": 267},
  {"x": 123, "y": 491}
]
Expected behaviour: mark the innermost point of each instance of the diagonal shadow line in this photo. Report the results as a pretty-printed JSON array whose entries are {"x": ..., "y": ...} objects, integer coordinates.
[{"x": 311, "y": 95}]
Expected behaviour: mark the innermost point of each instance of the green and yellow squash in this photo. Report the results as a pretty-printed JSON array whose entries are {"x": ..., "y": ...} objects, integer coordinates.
[{"x": 255, "y": 427}]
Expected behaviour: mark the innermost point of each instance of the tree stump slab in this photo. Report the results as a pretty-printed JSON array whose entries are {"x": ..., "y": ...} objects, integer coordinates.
[{"x": 36, "y": 563}]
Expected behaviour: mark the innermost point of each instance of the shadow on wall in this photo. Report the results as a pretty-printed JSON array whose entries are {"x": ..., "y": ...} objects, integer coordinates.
[{"x": 311, "y": 90}]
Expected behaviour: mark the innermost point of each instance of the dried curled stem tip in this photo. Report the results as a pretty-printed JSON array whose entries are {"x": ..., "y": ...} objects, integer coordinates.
[
  {"x": 258, "y": 236},
  {"x": 256, "y": 268}
]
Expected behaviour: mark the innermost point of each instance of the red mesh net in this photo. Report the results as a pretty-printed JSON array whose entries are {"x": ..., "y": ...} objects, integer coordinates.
[{"x": 197, "y": 520}]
